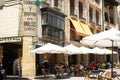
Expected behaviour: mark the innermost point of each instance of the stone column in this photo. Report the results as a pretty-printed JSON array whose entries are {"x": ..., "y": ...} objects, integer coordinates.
[
  {"x": 28, "y": 60},
  {"x": 117, "y": 57},
  {"x": 66, "y": 58},
  {"x": 87, "y": 59},
  {"x": 78, "y": 58}
]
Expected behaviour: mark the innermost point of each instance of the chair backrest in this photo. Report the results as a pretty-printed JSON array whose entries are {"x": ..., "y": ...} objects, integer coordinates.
[
  {"x": 85, "y": 74},
  {"x": 101, "y": 77},
  {"x": 107, "y": 75},
  {"x": 109, "y": 78}
]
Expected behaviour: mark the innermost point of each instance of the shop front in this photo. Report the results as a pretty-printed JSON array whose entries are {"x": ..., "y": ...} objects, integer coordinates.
[
  {"x": 10, "y": 50},
  {"x": 15, "y": 56}
]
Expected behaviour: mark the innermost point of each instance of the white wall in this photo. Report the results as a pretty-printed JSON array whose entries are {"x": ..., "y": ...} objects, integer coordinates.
[{"x": 9, "y": 23}]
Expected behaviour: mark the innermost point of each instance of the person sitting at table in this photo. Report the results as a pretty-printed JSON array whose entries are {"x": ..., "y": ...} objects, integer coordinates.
[
  {"x": 92, "y": 65},
  {"x": 60, "y": 70},
  {"x": 72, "y": 69},
  {"x": 43, "y": 69},
  {"x": 76, "y": 70},
  {"x": 108, "y": 65},
  {"x": 103, "y": 65},
  {"x": 97, "y": 66},
  {"x": 81, "y": 67},
  {"x": 45, "y": 66}
]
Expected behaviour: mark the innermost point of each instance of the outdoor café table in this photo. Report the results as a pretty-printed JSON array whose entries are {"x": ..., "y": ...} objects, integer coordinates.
[
  {"x": 117, "y": 76},
  {"x": 101, "y": 71},
  {"x": 95, "y": 72}
]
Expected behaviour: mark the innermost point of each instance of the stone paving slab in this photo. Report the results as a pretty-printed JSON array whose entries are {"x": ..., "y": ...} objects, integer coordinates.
[
  {"x": 52, "y": 77},
  {"x": 44, "y": 78}
]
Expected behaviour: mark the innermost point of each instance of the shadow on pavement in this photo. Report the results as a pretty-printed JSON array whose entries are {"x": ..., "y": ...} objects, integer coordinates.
[
  {"x": 15, "y": 78},
  {"x": 44, "y": 77},
  {"x": 37, "y": 78}
]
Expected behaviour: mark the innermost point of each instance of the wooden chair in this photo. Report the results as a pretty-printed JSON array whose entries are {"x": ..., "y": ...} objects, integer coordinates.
[
  {"x": 108, "y": 75},
  {"x": 92, "y": 77},
  {"x": 89, "y": 76},
  {"x": 100, "y": 77},
  {"x": 109, "y": 78},
  {"x": 85, "y": 74}
]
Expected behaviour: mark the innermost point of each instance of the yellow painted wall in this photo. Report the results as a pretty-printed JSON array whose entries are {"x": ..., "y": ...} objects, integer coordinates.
[{"x": 28, "y": 60}]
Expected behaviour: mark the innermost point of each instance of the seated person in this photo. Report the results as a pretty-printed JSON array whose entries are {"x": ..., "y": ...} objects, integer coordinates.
[
  {"x": 103, "y": 65},
  {"x": 92, "y": 66}
]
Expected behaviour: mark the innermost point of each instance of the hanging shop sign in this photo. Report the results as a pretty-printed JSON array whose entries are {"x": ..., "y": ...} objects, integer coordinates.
[
  {"x": 10, "y": 39},
  {"x": 29, "y": 23}
]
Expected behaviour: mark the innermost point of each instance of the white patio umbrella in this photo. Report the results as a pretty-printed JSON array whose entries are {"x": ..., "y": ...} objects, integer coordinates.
[
  {"x": 102, "y": 51},
  {"x": 49, "y": 48},
  {"x": 85, "y": 50},
  {"x": 107, "y": 51},
  {"x": 97, "y": 50},
  {"x": 107, "y": 38},
  {"x": 103, "y": 39},
  {"x": 72, "y": 49}
]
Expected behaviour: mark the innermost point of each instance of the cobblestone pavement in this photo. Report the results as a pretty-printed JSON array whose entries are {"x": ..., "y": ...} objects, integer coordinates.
[
  {"x": 77, "y": 78},
  {"x": 52, "y": 77},
  {"x": 70, "y": 78},
  {"x": 44, "y": 78}
]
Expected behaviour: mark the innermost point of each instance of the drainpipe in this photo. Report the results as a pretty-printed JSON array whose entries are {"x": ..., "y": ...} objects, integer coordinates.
[{"x": 103, "y": 15}]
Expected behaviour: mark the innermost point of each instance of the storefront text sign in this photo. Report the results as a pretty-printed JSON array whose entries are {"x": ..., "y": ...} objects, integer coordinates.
[
  {"x": 10, "y": 39},
  {"x": 29, "y": 18}
]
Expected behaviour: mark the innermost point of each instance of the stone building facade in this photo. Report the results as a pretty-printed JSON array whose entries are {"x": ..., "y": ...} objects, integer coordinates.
[{"x": 24, "y": 26}]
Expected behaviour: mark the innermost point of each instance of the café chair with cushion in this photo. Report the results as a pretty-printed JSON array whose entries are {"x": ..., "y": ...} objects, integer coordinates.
[
  {"x": 100, "y": 77},
  {"x": 89, "y": 76},
  {"x": 109, "y": 78}
]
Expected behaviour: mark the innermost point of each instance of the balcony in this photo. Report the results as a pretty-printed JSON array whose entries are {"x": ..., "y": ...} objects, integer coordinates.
[
  {"x": 52, "y": 25},
  {"x": 74, "y": 37},
  {"x": 52, "y": 34},
  {"x": 95, "y": 3},
  {"x": 72, "y": 14},
  {"x": 112, "y": 2},
  {"x": 52, "y": 17},
  {"x": 109, "y": 19}
]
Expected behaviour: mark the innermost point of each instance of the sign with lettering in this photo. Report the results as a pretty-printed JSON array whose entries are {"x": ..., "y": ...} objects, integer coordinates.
[
  {"x": 10, "y": 39},
  {"x": 29, "y": 23}
]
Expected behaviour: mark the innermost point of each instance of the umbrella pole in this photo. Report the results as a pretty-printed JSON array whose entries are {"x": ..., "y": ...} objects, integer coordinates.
[
  {"x": 70, "y": 60},
  {"x": 112, "y": 64}
]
